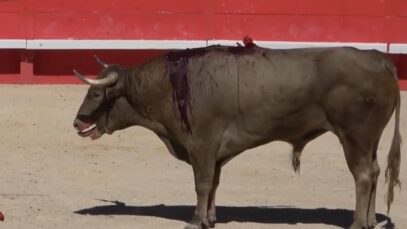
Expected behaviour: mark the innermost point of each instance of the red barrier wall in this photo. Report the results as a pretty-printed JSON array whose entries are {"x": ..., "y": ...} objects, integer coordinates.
[
  {"x": 288, "y": 20},
  {"x": 274, "y": 20}
]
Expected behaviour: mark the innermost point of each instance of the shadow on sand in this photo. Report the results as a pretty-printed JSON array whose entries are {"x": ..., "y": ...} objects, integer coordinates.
[{"x": 261, "y": 214}]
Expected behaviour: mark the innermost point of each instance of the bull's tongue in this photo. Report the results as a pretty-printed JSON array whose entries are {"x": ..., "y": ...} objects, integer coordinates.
[{"x": 88, "y": 129}]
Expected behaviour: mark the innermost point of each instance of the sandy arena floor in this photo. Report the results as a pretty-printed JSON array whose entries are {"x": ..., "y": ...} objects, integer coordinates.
[{"x": 51, "y": 178}]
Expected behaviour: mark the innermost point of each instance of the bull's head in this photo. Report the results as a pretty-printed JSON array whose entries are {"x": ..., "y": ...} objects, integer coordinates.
[{"x": 105, "y": 107}]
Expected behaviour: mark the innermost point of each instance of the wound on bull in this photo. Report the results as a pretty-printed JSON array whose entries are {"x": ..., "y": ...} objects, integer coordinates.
[{"x": 177, "y": 69}]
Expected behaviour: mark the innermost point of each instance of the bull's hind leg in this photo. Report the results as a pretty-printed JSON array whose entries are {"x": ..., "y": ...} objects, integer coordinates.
[
  {"x": 361, "y": 159},
  {"x": 371, "y": 221},
  {"x": 212, "y": 196}
]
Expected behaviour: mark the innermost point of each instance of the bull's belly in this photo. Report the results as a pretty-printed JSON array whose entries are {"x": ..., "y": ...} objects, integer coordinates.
[{"x": 249, "y": 132}]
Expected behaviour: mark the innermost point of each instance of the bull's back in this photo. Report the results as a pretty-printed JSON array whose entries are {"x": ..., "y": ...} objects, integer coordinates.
[
  {"x": 262, "y": 91},
  {"x": 283, "y": 76},
  {"x": 257, "y": 80}
]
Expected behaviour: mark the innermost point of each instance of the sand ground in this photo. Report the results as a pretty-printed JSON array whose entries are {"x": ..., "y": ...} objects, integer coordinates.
[{"x": 51, "y": 178}]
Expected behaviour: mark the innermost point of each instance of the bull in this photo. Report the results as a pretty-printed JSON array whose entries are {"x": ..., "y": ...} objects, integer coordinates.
[{"x": 210, "y": 104}]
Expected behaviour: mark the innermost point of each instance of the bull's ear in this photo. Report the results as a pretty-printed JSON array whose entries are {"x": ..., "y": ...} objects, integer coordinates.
[
  {"x": 116, "y": 90},
  {"x": 113, "y": 92}
]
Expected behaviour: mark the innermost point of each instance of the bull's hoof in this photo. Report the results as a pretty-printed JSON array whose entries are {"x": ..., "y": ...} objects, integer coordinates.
[
  {"x": 355, "y": 226},
  {"x": 197, "y": 223},
  {"x": 193, "y": 226},
  {"x": 212, "y": 220},
  {"x": 359, "y": 226},
  {"x": 372, "y": 223},
  {"x": 197, "y": 226}
]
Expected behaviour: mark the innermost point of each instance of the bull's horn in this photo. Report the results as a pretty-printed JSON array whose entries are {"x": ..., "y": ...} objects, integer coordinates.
[
  {"x": 110, "y": 79},
  {"x": 101, "y": 62}
]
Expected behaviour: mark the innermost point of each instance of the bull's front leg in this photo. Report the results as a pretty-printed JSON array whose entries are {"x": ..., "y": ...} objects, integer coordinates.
[{"x": 204, "y": 169}]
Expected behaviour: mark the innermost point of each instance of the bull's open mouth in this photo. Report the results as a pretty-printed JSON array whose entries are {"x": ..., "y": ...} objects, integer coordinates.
[{"x": 88, "y": 131}]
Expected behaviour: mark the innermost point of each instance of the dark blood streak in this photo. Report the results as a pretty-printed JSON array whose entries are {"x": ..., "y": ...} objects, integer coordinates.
[{"x": 177, "y": 68}]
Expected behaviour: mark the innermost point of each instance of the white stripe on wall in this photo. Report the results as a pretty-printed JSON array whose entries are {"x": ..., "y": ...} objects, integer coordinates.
[
  {"x": 114, "y": 44},
  {"x": 68, "y": 44},
  {"x": 398, "y": 48},
  {"x": 290, "y": 44},
  {"x": 13, "y": 44}
]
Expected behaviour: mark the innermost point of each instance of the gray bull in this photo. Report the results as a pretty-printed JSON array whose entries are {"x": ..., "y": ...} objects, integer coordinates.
[{"x": 210, "y": 104}]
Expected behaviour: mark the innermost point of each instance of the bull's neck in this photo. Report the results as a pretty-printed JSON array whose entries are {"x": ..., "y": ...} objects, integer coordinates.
[{"x": 146, "y": 90}]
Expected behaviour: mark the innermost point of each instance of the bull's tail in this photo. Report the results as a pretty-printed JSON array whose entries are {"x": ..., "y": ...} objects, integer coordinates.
[{"x": 394, "y": 156}]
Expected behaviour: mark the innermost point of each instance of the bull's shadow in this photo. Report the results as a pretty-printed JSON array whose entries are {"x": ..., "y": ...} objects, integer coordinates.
[{"x": 267, "y": 215}]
